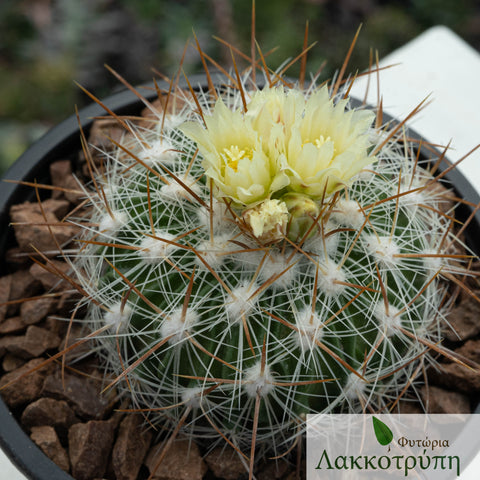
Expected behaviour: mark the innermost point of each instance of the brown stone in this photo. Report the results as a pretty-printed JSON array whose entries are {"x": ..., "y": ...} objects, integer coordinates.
[
  {"x": 12, "y": 325},
  {"x": 225, "y": 463},
  {"x": 293, "y": 475},
  {"x": 67, "y": 303},
  {"x": 24, "y": 385},
  {"x": 11, "y": 362},
  {"x": 82, "y": 394},
  {"x": 89, "y": 448},
  {"x": 5, "y": 287},
  {"x": 444, "y": 195},
  {"x": 182, "y": 462},
  {"x": 16, "y": 258},
  {"x": 150, "y": 118},
  {"x": 48, "y": 411},
  {"x": 438, "y": 400},
  {"x": 58, "y": 207},
  {"x": 100, "y": 134},
  {"x": 73, "y": 190},
  {"x": 272, "y": 470},
  {"x": 30, "y": 229},
  {"x": 3, "y": 346},
  {"x": 117, "y": 416},
  {"x": 76, "y": 334},
  {"x": 472, "y": 281},
  {"x": 471, "y": 350},
  {"x": 46, "y": 438},
  {"x": 34, "y": 343},
  {"x": 59, "y": 170},
  {"x": 406, "y": 406},
  {"x": 130, "y": 448},
  {"x": 85, "y": 170},
  {"x": 24, "y": 285},
  {"x": 456, "y": 377},
  {"x": 463, "y": 320},
  {"x": 33, "y": 311},
  {"x": 68, "y": 185},
  {"x": 57, "y": 326},
  {"x": 50, "y": 275}
]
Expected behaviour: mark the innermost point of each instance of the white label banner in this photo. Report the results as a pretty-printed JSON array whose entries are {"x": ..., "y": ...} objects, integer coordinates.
[{"x": 378, "y": 446}]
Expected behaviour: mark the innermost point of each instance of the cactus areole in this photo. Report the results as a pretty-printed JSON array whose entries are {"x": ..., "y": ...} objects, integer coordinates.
[{"x": 257, "y": 254}]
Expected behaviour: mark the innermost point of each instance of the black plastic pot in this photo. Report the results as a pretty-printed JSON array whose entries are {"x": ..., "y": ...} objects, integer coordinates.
[{"x": 61, "y": 142}]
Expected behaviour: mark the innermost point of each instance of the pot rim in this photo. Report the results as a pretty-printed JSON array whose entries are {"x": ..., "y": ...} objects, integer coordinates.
[{"x": 58, "y": 142}]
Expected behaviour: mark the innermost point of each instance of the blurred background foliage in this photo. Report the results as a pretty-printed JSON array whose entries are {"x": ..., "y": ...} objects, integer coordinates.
[{"x": 46, "y": 45}]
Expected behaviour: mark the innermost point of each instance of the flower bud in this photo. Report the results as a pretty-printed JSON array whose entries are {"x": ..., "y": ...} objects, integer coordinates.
[
  {"x": 303, "y": 214},
  {"x": 268, "y": 220}
]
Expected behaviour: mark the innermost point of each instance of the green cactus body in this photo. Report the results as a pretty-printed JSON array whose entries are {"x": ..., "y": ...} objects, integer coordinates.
[{"x": 206, "y": 318}]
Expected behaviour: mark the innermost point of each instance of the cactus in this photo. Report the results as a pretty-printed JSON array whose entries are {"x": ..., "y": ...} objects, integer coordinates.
[{"x": 241, "y": 273}]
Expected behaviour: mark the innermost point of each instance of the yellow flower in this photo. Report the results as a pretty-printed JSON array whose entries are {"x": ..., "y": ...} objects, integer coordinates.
[
  {"x": 273, "y": 112},
  {"x": 327, "y": 146},
  {"x": 284, "y": 142},
  {"x": 233, "y": 157}
]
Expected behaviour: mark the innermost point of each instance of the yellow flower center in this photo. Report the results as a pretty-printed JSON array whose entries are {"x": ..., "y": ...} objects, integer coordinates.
[
  {"x": 234, "y": 155},
  {"x": 318, "y": 142},
  {"x": 321, "y": 140}
]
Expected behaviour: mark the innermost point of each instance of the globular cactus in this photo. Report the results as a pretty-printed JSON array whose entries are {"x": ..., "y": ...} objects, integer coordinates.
[{"x": 261, "y": 255}]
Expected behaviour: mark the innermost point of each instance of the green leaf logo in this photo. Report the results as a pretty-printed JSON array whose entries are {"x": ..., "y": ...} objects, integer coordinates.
[{"x": 382, "y": 432}]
